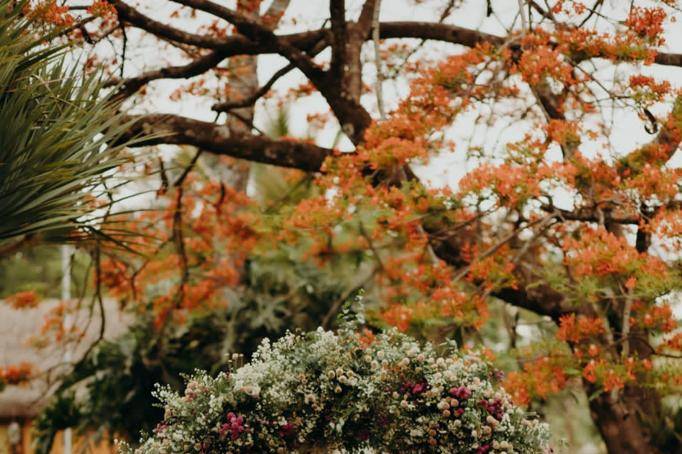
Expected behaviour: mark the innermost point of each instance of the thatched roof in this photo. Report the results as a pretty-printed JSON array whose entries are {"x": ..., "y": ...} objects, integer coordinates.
[{"x": 16, "y": 328}]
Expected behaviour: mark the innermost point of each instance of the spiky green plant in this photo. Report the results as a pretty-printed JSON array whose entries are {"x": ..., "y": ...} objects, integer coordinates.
[{"x": 56, "y": 136}]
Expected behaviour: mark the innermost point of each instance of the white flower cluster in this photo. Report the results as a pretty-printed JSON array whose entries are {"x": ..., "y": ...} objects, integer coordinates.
[{"x": 346, "y": 392}]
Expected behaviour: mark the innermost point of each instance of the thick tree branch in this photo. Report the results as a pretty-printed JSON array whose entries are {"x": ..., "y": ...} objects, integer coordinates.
[
  {"x": 130, "y": 15},
  {"x": 542, "y": 300},
  {"x": 663, "y": 58},
  {"x": 305, "y": 41},
  {"x": 436, "y": 32},
  {"x": 275, "y": 12},
  {"x": 590, "y": 215},
  {"x": 337, "y": 13},
  {"x": 262, "y": 91},
  {"x": 175, "y": 129},
  {"x": 262, "y": 35},
  {"x": 364, "y": 23},
  {"x": 343, "y": 100}
]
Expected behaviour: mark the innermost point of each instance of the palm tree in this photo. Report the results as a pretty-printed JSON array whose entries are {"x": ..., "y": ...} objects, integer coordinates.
[{"x": 58, "y": 138}]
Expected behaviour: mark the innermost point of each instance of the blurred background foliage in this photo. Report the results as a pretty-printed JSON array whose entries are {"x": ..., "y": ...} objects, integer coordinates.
[
  {"x": 109, "y": 392},
  {"x": 39, "y": 269}
]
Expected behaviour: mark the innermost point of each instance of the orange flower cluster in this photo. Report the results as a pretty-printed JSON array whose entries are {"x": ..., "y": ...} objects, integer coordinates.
[
  {"x": 658, "y": 89},
  {"x": 576, "y": 7},
  {"x": 49, "y": 12},
  {"x": 180, "y": 271},
  {"x": 23, "y": 300},
  {"x": 575, "y": 329},
  {"x": 647, "y": 23},
  {"x": 16, "y": 374},
  {"x": 399, "y": 316},
  {"x": 611, "y": 376},
  {"x": 102, "y": 8},
  {"x": 541, "y": 61},
  {"x": 599, "y": 253},
  {"x": 657, "y": 318},
  {"x": 538, "y": 378},
  {"x": 565, "y": 133}
]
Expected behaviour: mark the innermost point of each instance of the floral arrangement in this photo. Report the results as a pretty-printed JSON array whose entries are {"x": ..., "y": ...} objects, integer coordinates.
[{"x": 350, "y": 391}]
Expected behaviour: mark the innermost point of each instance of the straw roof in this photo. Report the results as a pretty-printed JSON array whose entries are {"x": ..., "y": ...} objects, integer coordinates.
[{"x": 17, "y": 326}]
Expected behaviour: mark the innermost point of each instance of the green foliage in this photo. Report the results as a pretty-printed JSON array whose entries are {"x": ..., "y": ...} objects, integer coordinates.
[
  {"x": 39, "y": 269},
  {"x": 110, "y": 391},
  {"x": 55, "y": 136}
]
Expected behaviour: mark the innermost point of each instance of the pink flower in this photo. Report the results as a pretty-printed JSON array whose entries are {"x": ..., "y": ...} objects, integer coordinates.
[
  {"x": 493, "y": 407},
  {"x": 413, "y": 388},
  {"x": 483, "y": 449},
  {"x": 287, "y": 430},
  {"x": 460, "y": 393},
  {"x": 418, "y": 388},
  {"x": 234, "y": 425}
]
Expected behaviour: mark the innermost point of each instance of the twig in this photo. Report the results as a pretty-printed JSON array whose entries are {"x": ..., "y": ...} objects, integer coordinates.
[
  {"x": 378, "y": 87},
  {"x": 250, "y": 100}
]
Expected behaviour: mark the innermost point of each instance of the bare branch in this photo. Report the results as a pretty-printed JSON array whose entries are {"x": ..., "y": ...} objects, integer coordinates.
[
  {"x": 128, "y": 14},
  {"x": 251, "y": 100},
  {"x": 175, "y": 129},
  {"x": 195, "y": 68}
]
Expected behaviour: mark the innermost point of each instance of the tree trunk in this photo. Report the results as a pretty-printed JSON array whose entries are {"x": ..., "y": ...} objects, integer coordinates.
[{"x": 626, "y": 422}]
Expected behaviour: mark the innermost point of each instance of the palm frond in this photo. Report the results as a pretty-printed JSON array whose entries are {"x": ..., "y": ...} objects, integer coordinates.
[{"x": 58, "y": 136}]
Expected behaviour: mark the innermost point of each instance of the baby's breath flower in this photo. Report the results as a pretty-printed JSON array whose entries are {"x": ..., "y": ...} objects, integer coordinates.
[{"x": 301, "y": 383}]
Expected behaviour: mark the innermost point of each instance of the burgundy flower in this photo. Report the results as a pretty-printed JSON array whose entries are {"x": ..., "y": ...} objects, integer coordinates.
[
  {"x": 483, "y": 449},
  {"x": 412, "y": 388},
  {"x": 406, "y": 387},
  {"x": 493, "y": 407},
  {"x": 461, "y": 392},
  {"x": 234, "y": 425},
  {"x": 287, "y": 430},
  {"x": 419, "y": 388},
  {"x": 363, "y": 435}
]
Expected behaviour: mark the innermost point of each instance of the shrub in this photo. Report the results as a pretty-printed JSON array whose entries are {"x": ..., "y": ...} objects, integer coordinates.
[{"x": 349, "y": 391}]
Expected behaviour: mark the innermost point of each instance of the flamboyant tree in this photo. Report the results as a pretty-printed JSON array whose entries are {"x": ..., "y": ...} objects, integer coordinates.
[{"x": 551, "y": 210}]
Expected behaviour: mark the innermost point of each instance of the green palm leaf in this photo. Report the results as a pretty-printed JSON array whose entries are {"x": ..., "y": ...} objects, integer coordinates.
[{"x": 58, "y": 137}]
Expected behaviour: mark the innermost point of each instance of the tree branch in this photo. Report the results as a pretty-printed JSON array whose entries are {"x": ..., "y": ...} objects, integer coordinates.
[
  {"x": 194, "y": 68},
  {"x": 238, "y": 45},
  {"x": 128, "y": 14},
  {"x": 659, "y": 151},
  {"x": 251, "y": 100},
  {"x": 337, "y": 13},
  {"x": 178, "y": 130}
]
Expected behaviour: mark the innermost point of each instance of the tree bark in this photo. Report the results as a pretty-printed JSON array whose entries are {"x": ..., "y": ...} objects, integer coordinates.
[{"x": 626, "y": 423}]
